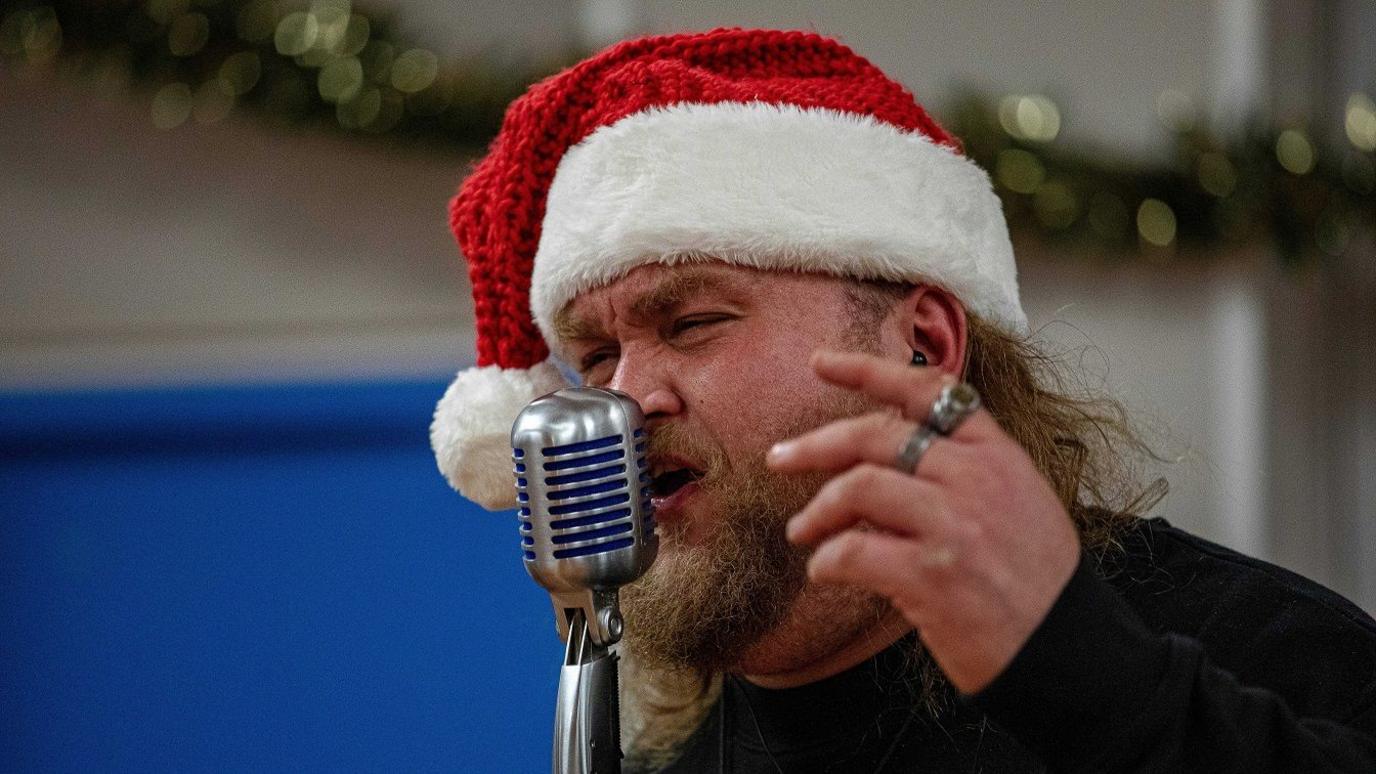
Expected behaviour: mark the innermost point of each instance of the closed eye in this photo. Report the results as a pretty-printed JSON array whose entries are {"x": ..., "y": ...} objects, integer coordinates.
[
  {"x": 696, "y": 321},
  {"x": 591, "y": 359}
]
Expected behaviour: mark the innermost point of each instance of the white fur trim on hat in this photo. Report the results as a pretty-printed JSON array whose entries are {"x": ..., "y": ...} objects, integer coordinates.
[
  {"x": 777, "y": 187},
  {"x": 471, "y": 432}
]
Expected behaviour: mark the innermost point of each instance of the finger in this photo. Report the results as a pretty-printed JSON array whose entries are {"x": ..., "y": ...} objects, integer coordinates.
[
  {"x": 882, "y": 497},
  {"x": 876, "y": 439},
  {"x": 844, "y": 443},
  {"x": 889, "y": 565},
  {"x": 911, "y": 390}
]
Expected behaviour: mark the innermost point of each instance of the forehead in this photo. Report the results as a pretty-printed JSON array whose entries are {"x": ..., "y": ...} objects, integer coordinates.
[{"x": 656, "y": 289}]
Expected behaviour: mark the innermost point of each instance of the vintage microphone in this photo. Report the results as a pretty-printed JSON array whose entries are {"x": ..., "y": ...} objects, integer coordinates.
[{"x": 587, "y": 528}]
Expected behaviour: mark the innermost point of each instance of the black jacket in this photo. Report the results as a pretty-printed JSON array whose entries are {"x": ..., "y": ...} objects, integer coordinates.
[{"x": 1174, "y": 655}]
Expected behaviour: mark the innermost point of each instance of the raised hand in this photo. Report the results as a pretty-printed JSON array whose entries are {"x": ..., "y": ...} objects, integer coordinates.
[{"x": 972, "y": 547}]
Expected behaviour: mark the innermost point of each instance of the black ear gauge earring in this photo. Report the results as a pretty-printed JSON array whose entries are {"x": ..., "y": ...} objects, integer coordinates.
[{"x": 919, "y": 359}]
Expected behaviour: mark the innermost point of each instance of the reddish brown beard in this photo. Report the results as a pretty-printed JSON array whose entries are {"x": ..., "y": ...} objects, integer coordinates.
[{"x": 703, "y": 605}]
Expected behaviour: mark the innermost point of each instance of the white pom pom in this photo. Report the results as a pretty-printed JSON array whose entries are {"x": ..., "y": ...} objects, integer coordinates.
[{"x": 471, "y": 434}]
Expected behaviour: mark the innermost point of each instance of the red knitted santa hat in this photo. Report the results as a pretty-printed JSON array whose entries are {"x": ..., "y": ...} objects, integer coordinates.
[{"x": 781, "y": 150}]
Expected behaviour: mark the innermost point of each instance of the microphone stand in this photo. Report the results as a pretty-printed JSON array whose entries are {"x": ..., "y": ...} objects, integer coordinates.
[{"x": 587, "y": 716}]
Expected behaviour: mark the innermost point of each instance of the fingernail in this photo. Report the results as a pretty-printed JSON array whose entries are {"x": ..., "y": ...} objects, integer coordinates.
[
  {"x": 792, "y": 528},
  {"x": 780, "y": 452}
]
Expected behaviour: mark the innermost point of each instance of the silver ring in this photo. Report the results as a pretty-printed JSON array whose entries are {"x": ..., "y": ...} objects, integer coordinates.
[
  {"x": 952, "y": 406},
  {"x": 913, "y": 449}
]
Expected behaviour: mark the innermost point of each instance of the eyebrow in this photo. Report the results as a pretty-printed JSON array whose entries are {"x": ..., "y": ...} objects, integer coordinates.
[{"x": 655, "y": 302}]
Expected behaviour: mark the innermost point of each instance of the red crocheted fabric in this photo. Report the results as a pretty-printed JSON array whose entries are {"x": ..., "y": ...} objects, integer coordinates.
[{"x": 497, "y": 212}]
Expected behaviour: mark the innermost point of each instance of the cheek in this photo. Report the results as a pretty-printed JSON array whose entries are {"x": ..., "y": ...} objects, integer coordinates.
[{"x": 748, "y": 391}]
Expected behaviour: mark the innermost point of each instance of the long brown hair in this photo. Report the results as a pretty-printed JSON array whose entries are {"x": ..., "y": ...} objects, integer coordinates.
[{"x": 1081, "y": 441}]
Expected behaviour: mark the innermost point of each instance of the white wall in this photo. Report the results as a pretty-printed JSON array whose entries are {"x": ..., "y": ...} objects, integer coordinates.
[
  {"x": 239, "y": 250},
  {"x": 1157, "y": 339}
]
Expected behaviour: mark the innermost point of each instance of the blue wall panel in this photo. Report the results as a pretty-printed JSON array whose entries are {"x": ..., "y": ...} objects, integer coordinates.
[{"x": 258, "y": 579}]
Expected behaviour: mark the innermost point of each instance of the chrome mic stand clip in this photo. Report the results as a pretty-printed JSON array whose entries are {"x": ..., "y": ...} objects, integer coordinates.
[{"x": 587, "y": 717}]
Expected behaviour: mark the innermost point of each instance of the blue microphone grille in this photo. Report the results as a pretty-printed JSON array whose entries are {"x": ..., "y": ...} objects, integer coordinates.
[
  {"x": 588, "y": 490},
  {"x": 583, "y": 489}
]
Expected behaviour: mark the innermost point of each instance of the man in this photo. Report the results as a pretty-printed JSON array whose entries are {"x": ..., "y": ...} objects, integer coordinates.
[{"x": 772, "y": 247}]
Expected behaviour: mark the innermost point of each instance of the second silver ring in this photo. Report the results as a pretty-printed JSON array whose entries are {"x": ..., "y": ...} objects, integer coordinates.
[{"x": 912, "y": 450}]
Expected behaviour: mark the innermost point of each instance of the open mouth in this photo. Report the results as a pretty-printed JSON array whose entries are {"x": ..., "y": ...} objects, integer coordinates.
[{"x": 669, "y": 476}]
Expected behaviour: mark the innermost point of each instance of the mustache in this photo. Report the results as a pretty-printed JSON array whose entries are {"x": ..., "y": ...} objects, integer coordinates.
[
  {"x": 677, "y": 440},
  {"x": 746, "y": 479}
]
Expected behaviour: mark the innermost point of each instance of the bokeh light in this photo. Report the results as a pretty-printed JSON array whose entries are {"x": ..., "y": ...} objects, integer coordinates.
[
  {"x": 164, "y": 12},
  {"x": 1216, "y": 174},
  {"x": 1020, "y": 171},
  {"x": 240, "y": 72},
  {"x": 355, "y": 37},
  {"x": 332, "y": 20},
  {"x": 172, "y": 105},
  {"x": 414, "y": 70},
  {"x": 212, "y": 102},
  {"x": 340, "y": 79},
  {"x": 1030, "y": 117},
  {"x": 1360, "y": 122},
  {"x": 361, "y": 110},
  {"x": 1294, "y": 152},
  {"x": 1056, "y": 205},
  {"x": 188, "y": 34},
  {"x": 1156, "y": 222},
  {"x": 35, "y": 34},
  {"x": 296, "y": 33},
  {"x": 390, "y": 111}
]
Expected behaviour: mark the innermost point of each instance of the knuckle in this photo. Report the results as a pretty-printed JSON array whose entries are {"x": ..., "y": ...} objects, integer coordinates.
[
  {"x": 969, "y": 531},
  {"x": 833, "y": 492},
  {"x": 891, "y": 425},
  {"x": 864, "y": 476},
  {"x": 848, "y": 485},
  {"x": 849, "y": 548},
  {"x": 856, "y": 431}
]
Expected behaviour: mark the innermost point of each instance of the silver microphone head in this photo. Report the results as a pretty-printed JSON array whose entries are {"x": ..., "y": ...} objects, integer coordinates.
[{"x": 583, "y": 488}]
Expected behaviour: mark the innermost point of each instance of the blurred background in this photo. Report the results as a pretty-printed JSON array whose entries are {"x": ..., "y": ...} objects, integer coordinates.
[{"x": 229, "y": 300}]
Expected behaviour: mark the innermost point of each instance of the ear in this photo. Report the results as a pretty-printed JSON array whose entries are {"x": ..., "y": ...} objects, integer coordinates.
[{"x": 935, "y": 325}]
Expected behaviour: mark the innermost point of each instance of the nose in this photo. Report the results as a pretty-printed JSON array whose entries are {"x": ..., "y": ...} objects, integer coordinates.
[{"x": 646, "y": 378}]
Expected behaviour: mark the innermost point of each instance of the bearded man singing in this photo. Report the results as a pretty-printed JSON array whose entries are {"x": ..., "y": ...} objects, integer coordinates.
[{"x": 889, "y": 540}]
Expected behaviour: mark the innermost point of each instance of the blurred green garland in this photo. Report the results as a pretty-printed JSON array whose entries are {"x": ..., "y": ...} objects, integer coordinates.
[
  {"x": 1281, "y": 184},
  {"x": 321, "y": 63},
  {"x": 326, "y": 63}
]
